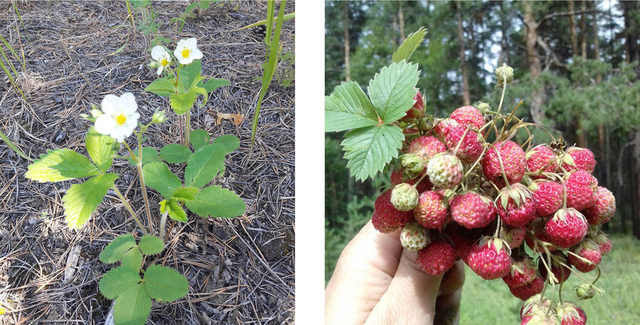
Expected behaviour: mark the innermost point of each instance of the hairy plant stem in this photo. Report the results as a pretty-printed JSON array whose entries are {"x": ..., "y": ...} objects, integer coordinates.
[
  {"x": 142, "y": 184},
  {"x": 163, "y": 223},
  {"x": 130, "y": 209},
  {"x": 187, "y": 128}
]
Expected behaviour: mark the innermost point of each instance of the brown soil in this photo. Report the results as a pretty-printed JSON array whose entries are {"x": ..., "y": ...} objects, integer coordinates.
[{"x": 240, "y": 270}]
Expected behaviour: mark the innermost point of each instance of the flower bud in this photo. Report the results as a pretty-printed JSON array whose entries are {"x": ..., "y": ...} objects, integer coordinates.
[
  {"x": 483, "y": 107},
  {"x": 585, "y": 291},
  {"x": 158, "y": 117},
  {"x": 153, "y": 65},
  {"x": 505, "y": 74},
  {"x": 404, "y": 197}
]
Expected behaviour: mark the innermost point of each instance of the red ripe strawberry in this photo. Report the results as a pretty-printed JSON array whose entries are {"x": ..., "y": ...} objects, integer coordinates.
[
  {"x": 432, "y": 210},
  {"x": 560, "y": 272},
  {"x": 548, "y": 196},
  {"x": 397, "y": 178},
  {"x": 443, "y": 127},
  {"x": 522, "y": 272},
  {"x": 490, "y": 258},
  {"x": 468, "y": 149},
  {"x": 388, "y": 218},
  {"x": 571, "y": 314},
  {"x": 462, "y": 239},
  {"x": 541, "y": 159},
  {"x": 512, "y": 157},
  {"x": 603, "y": 243},
  {"x": 437, "y": 257},
  {"x": 566, "y": 228},
  {"x": 468, "y": 115},
  {"x": 445, "y": 171},
  {"x": 539, "y": 238},
  {"x": 528, "y": 290},
  {"x": 516, "y": 205},
  {"x": 472, "y": 210},
  {"x": 588, "y": 250},
  {"x": 603, "y": 210},
  {"x": 426, "y": 147},
  {"x": 416, "y": 110},
  {"x": 582, "y": 190},
  {"x": 513, "y": 236},
  {"x": 577, "y": 158}
]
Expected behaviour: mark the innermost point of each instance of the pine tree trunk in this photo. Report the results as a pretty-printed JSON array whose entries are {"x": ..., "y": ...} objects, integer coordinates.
[
  {"x": 466, "y": 97},
  {"x": 583, "y": 29},
  {"x": 533, "y": 60},
  {"x": 401, "y": 19},
  {"x": 347, "y": 48},
  {"x": 573, "y": 37}
]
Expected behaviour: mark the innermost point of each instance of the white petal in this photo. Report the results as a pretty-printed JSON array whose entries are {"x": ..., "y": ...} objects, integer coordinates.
[
  {"x": 105, "y": 124},
  {"x": 159, "y": 70},
  {"x": 128, "y": 103},
  {"x": 196, "y": 54},
  {"x": 183, "y": 60},
  {"x": 110, "y": 104},
  {"x": 158, "y": 52},
  {"x": 191, "y": 43}
]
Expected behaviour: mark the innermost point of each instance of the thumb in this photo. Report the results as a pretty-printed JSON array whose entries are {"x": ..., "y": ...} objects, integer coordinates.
[{"x": 411, "y": 296}]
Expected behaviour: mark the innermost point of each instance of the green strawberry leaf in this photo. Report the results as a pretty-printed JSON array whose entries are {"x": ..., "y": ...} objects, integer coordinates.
[
  {"x": 133, "y": 259},
  {"x": 190, "y": 73},
  {"x": 151, "y": 245},
  {"x": 162, "y": 87},
  {"x": 149, "y": 154},
  {"x": 60, "y": 165},
  {"x": 213, "y": 84},
  {"x": 183, "y": 194},
  {"x": 392, "y": 90},
  {"x": 175, "y": 211},
  {"x": 101, "y": 148},
  {"x": 158, "y": 176},
  {"x": 230, "y": 142},
  {"x": 183, "y": 102},
  {"x": 410, "y": 45},
  {"x": 118, "y": 280},
  {"x": 368, "y": 150},
  {"x": 165, "y": 284},
  {"x": 215, "y": 201},
  {"x": 204, "y": 165},
  {"x": 82, "y": 199},
  {"x": 348, "y": 108},
  {"x": 132, "y": 306},
  {"x": 199, "y": 138},
  {"x": 117, "y": 248},
  {"x": 175, "y": 153}
]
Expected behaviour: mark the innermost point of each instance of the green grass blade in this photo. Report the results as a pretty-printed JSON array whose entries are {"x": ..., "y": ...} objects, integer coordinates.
[
  {"x": 264, "y": 21},
  {"x": 4, "y": 55},
  {"x": 13, "y": 146},
  {"x": 12, "y": 80},
  {"x": 14, "y": 54}
]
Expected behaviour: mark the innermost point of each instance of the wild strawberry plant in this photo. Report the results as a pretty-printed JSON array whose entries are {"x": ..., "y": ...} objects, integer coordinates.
[
  {"x": 138, "y": 280},
  {"x": 464, "y": 189}
]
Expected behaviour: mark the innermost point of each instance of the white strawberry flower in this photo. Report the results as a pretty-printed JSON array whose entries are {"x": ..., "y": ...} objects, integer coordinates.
[
  {"x": 187, "y": 51},
  {"x": 160, "y": 55},
  {"x": 120, "y": 116}
]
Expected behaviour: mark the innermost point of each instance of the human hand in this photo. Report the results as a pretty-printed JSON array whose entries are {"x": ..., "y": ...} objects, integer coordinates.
[{"x": 378, "y": 282}]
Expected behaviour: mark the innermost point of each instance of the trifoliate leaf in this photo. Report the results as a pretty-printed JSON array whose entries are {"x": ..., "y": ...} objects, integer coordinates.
[
  {"x": 175, "y": 153},
  {"x": 151, "y": 245},
  {"x": 185, "y": 194},
  {"x": 117, "y": 248},
  {"x": 60, "y": 165},
  {"x": 182, "y": 103},
  {"x": 82, "y": 199},
  {"x": 132, "y": 259},
  {"x": 368, "y": 150},
  {"x": 410, "y": 45},
  {"x": 204, "y": 165},
  {"x": 348, "y": 108},
  {"x": 148, "y": 155},
  {"x": 162, "y": 87},
  {"x": 215, "y": 201},
  {"x": 175, "y": 211},
  {"x": 230, "y": 142},
  {"x": 158, "y": 176},
  {"x": 213, "y": 84},
  {"x": 189, "y": 73},
  {"x": 165, "y": 284},
  {"x": 132, "y": 306},
  {"x": 101, "y": 149},
  {"x": 199, "y": 138},
  {"x": 392, "y": 90},
  {"x": 117, "y": 281}
]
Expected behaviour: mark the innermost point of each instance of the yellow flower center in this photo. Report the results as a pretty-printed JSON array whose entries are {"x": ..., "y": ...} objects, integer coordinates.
[
  {"x": 121, "y": 119},
  {"x": 164, "y": 62},
  {"x": 185, "y": 53}
]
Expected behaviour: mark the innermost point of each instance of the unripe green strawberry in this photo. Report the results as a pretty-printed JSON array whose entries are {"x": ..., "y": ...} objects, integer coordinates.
[
  {"x": 404, "y": 197},
  {"x": 582, "y": 190},
  {"x": 585, "y": 291},
  {"x": 490, "y": 258},
  {"x": 432, "y": 210},
  {"x": 414, "y": 237},
  {"x": 437, "y": 257},
  {"x": 548, "y": 195},
  {"x": 566, "y": 228},
  {"x": 472, "y": 210},
  {"x": 512, "y": 157},
  {"x": 577, "y": 158},
  {"x": 445, "y": 171},
  {"x": 516, "y": 206},
  {"x": 590, "y": 255},
  {"x": 571, "y": 314},
  {"x": 540, "y": 159},
  {"x": 412, "y": 165},
  {"x": 603, "y": 210}
]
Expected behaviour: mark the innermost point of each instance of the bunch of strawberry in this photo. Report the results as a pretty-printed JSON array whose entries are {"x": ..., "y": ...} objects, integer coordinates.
[{"x": 458, "y": 196}]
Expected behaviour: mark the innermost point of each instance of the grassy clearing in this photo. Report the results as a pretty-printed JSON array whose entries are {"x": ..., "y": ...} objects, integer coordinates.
[{"x": 490, "y": 302}]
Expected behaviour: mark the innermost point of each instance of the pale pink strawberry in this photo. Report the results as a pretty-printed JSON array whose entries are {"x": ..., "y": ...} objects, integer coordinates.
[
  {"x": 443, "y": 127},
  {"x": 603, "y": 242},
  {"x": 437, "y": 257},
  {"x": 416, "y": 110},
  {"x": 589, "y": 250},
  {"x": 472, "y": 210},
  {"x": 404, "y": 197},
  {"x": 566, "y": 228},
  {"x": 426, "y": 147},
  {"x": 490, "y": 258},
  {"x": 522, "y": 272},
  {"x": 582, "y": 190},
  {"x": 541, "y": 318},
  {"x": 540, "y": 159},
  {"x": 432, "y": 210},
  {"x": 445, "y": 171},
  {"x": 512, "y": 157},
  {"x": 603, "y": 210},
  {"x": 560, "y": 272},
  {"x": 513, "y": 236},
  {"x": 526, "y": 291},
  {"x": 397, "y": 178},
  {"x": 414, "y": 237},
  {"x": 577, "y": 158},
  {"x": 548, "y": 196},
  {"x": 571, "y": 314},
  {"x": 468, "y": 115},
  {"x": 535, "y": 304},
  {"x": 388, "y": 218},
  {"x": 516, "y": 206},
  {"x": 468, "y": 150}
]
